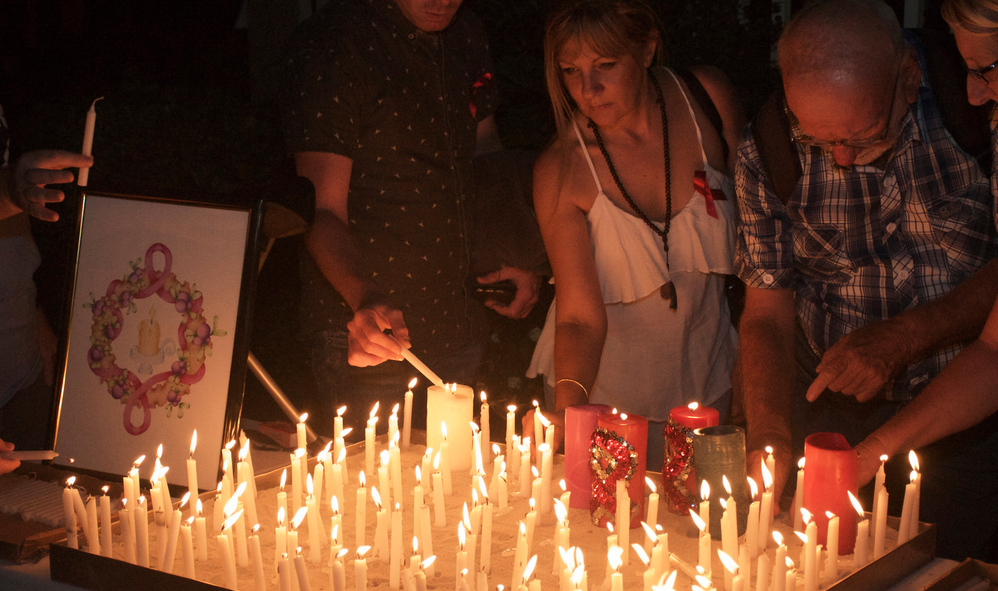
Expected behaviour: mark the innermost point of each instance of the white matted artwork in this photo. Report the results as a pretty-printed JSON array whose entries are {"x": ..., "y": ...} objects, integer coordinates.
[{"x": 157, "y": 342}]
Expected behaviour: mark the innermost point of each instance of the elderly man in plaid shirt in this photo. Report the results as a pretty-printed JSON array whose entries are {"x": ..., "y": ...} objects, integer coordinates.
[{"x": 888, "y": 213}]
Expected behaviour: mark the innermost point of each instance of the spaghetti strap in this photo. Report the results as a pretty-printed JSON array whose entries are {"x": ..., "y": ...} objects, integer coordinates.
[
  {"x": 589, "y": 159},
  {"x": 696, "y": 124}
]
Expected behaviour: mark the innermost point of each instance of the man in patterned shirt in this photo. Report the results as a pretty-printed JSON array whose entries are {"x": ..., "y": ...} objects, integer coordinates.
[
  {"x": 888, "y": 213},
  {"x": 390, "y": 101}
]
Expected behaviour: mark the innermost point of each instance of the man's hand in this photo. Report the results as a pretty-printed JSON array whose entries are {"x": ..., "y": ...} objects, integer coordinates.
[
  {"x": 33, "y": 171},
  {"x": 862, "y": 362},
  {"x": 528, "y": 287},
  {"x": 369, "y": 345},
  {"x": 7, "y": 465},
  {"x": 754, "y": 460}
]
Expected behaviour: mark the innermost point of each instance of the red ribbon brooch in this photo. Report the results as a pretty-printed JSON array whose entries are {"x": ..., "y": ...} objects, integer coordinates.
[{"x": 701, "y": 186}]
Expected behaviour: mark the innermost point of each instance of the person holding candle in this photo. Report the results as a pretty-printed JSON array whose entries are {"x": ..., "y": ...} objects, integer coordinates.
[
  {"x": 858, "y": 89},
  {"x": 394, "y": 188},
  {"x": 635, "y": 213}
]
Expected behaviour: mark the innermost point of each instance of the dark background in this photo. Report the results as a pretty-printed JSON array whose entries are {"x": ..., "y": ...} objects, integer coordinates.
[{"x": 189, "y": 109}]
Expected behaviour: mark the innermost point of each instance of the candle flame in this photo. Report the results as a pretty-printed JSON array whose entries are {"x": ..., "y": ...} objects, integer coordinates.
[
  {"x": 228, "y": 445},
  {"x": 778, "y": 537},
  {"x": 412, "y": 383},
  {"x": 70, "y": 481},
  {"x": 704, "y": 490},
  {"x": 511, "y": 408},
  {"x": 443, "y": 429},
  {"x": 244, "y": 451},
  {"x": 577, "y": 575},
  {"x": 805, "y": 514},
  {"x": 883, "y": 458},
  {"x": 386, "y": 458},
  {"x": 723, "y": 502},
  {"x": 232, "y": 520},
  {"x": 543, "y": 419},
  {"x": 537, "y": 405},
  {"x": 913, "y": 476},
  {"x": 753, "y": 488},
  {"x": 436, "y": 462},
  {"x": 609, "y": 527},
  {"x": 362, "y": 479},
  {"x": 280, "y": 516},
  {"x": 566, "y": 558},
  {"x": 284, "y": 478},
  {"x": 693, "y": 406},
  {"x": 334, "y": 504},
  {"x": 184, "y": 499},
  {"x": 376, "y": 496},
  {"x": 483, "y": 397},
  {"x": 790, "y": 563},
  {"x": 255, "y": 528},
  {"x": 194, "y": 442},
  {"x": 190, "y": 521},
  {"x": 523, "y": 529},
  {"x": 326, "y": 449},
  {"x": 340, "y": 411},
  {"x": 374, "y": 410},
  {"x": 767, "y": 478},
  {"x": 698, "y": 521},
  {"x": 529, "y": 569},
  {"x": 300, "y": 453},
  {"x": 200, "y": 507},
  {"x": 651, "y": 485},
  {"x": 729, "y": 563},
  {"x": 613, "y": 557},
  {"x": 303, "y": 417},
  {"x": 426, "y": 563},
  {"x": 855, "y": 504},
  {"x": 105, "y": 488},
  {"x": 913, "y": 460},
  {"x": 649, "y": 532},
  {"x": 362, "y": 551},
  {"x": 531, "y": 502},
  {"x": 800, "y": 463},
  {"x": 308, "y": 484},
  {"x": 343, "y": 456},
  {"x": 159, "y": 452},
  {"x": 829, "y": 515},
  {"x": 461, "y": 536},
  {"x": 667, "y": 583},
  {"x": 346, "y": 432},
  {"x": 769, "y": 449},
  {"x": 560, "y": 512},
  {"x": 474, "y": 428},
  {"x": 727, "y": 485},
  {"x": 299, "y": 517},
  {"x": 138, "y": 461},
  {"x": 802, "y": 536},
  {"x": 415, "y": 545},
  {"x": 640, "y": 551},
  {"x": 342, "y": 553}
]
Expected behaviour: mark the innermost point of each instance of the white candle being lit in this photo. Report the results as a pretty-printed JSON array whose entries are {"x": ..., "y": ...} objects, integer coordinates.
[{"x": 407, "y": 416}]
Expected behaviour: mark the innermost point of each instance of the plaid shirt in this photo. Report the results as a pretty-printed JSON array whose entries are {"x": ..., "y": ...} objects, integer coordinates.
[{"x": 863, "y": 244}]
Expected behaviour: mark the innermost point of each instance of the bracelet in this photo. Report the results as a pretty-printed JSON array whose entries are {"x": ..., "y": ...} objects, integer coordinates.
[{"x": 577, "y": 383}]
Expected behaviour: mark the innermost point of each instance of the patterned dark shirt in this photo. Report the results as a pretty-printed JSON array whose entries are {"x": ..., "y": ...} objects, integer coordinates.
[
  {"x": 864, "y": 244},
  {"x": 404, "y": 106}
]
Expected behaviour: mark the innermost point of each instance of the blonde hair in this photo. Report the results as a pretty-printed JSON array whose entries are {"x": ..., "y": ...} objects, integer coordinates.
[
  {"x": 612, "y": 28},
  {"x": 977, "y": 17}
]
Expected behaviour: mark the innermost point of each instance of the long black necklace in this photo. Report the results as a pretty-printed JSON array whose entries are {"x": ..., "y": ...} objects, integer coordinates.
[{"x": 668, "y": 290}]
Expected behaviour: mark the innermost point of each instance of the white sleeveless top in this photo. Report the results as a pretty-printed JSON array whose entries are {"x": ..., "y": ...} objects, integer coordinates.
[{"x": 655, "y": 358}]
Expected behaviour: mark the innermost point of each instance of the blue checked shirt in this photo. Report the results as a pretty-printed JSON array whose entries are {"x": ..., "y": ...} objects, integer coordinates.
[{"x": 863, "y": 244}]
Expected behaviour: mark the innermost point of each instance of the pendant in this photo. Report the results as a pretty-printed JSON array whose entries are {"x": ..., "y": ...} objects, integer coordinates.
[{"x": 668, "y": 292}]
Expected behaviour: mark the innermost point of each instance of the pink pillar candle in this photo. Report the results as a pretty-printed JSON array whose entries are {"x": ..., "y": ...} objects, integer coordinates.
[{"x": 580, "y": 422}]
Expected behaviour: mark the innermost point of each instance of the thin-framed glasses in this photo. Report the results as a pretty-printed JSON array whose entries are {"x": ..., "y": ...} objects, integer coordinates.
[
  {"x": 806, "y": 140},
  {"x": 981, "y": 73}
]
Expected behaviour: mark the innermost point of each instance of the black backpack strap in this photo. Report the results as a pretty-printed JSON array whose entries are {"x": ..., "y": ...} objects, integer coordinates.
[
  {"x": 947, "y": 75},
  {"x": 702, "y": 97},
  {"x": 771, "y": 131}
]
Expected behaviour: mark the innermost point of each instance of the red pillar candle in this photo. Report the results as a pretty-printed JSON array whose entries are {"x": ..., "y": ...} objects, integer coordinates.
[
  {"x": 580, "y": 422},
  {"x": 678, "y": 476},
  {"x": 634, "y": 430},
  {"x": 830, "y": 466}
]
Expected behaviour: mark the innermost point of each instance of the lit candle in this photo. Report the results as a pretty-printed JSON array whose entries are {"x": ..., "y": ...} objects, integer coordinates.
[
  {"x": 511, "y": 429},
  {"x": 105, "y": 521},
  {"x": 384, "y": 481},
  {"x": 141, "y": 517},
  {"x": 369, "y": 433},
  {"x": 623, "y": 517},
  {"x": 530, "y": 521},
  {"x": 381, "y": 530},
  {"x": 361, "y": 512},
  {"x": 452, "y": 406},
  {"x": 173, "y": 534},
  {"x": 799, "y": 496},
  {"x": 486, "y": 429},
  {"x": 832, "y": 559},
  {"x": 284, "y": 572},
  {"x": 705, "y": 504},
  {"x": 904, "y": 526},
  {"x": 360, "y": 568},
  {"x": 439, "y": 511},
  {"x": 780, "y": 564},
  {"x": 426, "y": 539},
  {"x": 731, "y": 568},
  {"x": 752, "y": 526},
  {"x": 614, "y": 558},
  {"x": 127, "y": 531},
  {"x": 729, "y": 530},
  {"x": 810, "y": 553},
  {"x": 862, "y": 533},
  {"x": 766, "y": 509},
  {"x": 187, "y": 542},
  {"x": 245, "y": 477},
  {"x": 879, "y": 483},
  {"x": 916, "y": 499},
  {"x": 280, "y": 540},
  {"x": 461, "y": 558},
  {"x": 192, "y": 472},
  {"x": 445, "y": 463},
  {"x": 407, "y": 416},
  {"x": 791, "y": 575},
  {"x": 393, "y": 422},
  {"x": 395, "y": 550},
  {"x": 561, "y": 535},
  {"x": 335, "y": 525},
  {"x": 525, "y": 479},
  {"x": 256, "y": 559},
  {"x": 538, "y": 427},
  {"x": 228, "y": 560},
  {"x": 880, "y": 521},
  {"x": 88, "y": 142},
  {"x": 417, "y": 503},
  {"x": 338, "y": 577},
  {"x": 69, "y": 512},
  {"x": 300, "y": 430},
  {"x": 704, "y": 542},
  {"x": 651, "y": 519},
  {"x": 315, "y": 533},
  {"x": 520, "y": 557}
]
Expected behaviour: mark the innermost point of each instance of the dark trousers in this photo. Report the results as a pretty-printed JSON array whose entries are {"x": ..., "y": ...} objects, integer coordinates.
[
  {"x": 359, "y": 388},
  {"x": 959, "y": 473}
]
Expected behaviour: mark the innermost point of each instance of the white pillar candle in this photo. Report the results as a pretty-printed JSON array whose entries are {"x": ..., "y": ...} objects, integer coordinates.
[
  {"x": 832, "y": 545},
  {"x": 93, "y": 541},
  {"x": 88, "y": 142},
  {"x": 484, "y": 418},
  {"x": 880, "y": 521},
  {"x": 187, "y": 547},
  {"x": 201, "y": 533},
  {"x": 256, "y": 559},
  {"x": 407, "y": 416},
  {"x": 192, "y": 472},
  {"x": 105, "y": 522},
  {"x": 69, "y": 514},
  {"x": 451, "y": 405},
  {"x": 360, "y": 514}
]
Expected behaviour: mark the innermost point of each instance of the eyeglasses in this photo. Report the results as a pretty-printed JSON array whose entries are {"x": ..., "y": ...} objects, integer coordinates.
[
  {"x": 806, "y": 140},
  {"x": 981, "y": 73}
]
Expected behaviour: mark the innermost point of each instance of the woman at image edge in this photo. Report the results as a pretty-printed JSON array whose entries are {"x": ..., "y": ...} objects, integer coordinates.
[{"x": 617, "y": 333}]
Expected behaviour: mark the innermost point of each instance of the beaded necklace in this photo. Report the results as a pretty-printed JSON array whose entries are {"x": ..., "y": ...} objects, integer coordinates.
[{"x": 667, "y": 291}]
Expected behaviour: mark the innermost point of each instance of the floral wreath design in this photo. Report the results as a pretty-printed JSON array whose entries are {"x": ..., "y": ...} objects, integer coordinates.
[
  {"x": 194, "y": 335},
  {"x": 611, "y": 458}
]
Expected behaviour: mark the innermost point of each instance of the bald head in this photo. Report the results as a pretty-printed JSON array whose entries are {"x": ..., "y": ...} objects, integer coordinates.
[{"x": 841, "y": 42}]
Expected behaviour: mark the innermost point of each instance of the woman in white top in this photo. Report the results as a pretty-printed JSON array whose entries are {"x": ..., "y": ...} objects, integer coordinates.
[{"x": 635, "y": 204}]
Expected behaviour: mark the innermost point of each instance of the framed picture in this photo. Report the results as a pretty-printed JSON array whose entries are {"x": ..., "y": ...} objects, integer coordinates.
[{"x": 158, "y": 333}]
